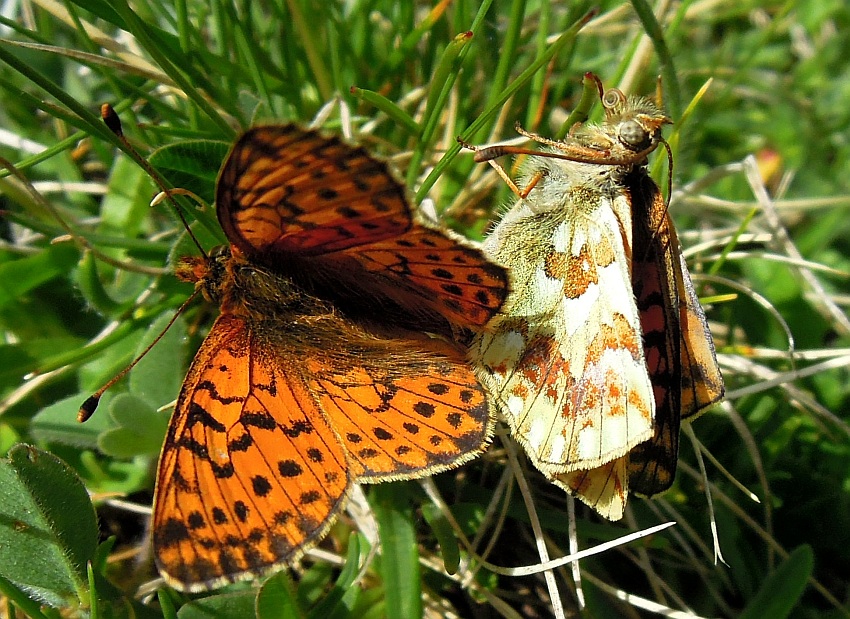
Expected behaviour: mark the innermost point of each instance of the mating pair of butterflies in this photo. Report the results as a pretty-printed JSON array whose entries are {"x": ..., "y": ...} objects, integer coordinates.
[{"x": 358, "y": 343}]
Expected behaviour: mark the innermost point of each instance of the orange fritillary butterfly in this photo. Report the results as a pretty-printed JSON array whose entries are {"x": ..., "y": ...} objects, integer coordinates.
[
  {"x": 317, "y": 374},
  {"x": 602, "y": 346}
]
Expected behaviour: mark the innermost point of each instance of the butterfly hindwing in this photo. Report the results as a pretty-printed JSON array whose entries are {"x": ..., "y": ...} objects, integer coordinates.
[
  {"x": 246, "y": 436},
  {"x": 423, "y": 415},
  {"x": 604, "y": 488},
  {"x": 565, "y": 360}
]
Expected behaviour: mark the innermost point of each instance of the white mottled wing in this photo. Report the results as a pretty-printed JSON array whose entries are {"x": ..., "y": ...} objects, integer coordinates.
[{"x": 564, "y": 361}]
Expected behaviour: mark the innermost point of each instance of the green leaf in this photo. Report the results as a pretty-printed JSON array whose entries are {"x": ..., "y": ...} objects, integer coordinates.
[
  {"x": 399, "y": 565},
  {"x": 127, "y": 203},
  {"x": 445, "y": 536},
  {"x": 158, "y": 375},
  {"x": 223, "y": 606},
  {"x": 192, "y": 165},
  {"x": 58, "y": 423},
  {"x": 341, "y": 599},
  {"x": 20, "y": 599},
  {"x": 782, "y": 589},
  {"x": 110, "y": 600},
  {"x": 167, "y": 603},
  {"x": 90, "y": 285},
  {"x": 17, "y": 277},
  {"x": 140, "y": 428},
  {"x": 48, "y": 529},
  {"x": 277, "y": 599},
  {"x": 8, "y": 437}
]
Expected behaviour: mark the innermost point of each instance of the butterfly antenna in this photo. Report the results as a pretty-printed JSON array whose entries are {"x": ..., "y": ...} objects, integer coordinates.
[
  {"x": 110, "y": 117},
  {"x": 669, "y": 187},
  {"x": 90, "y": 405},
  {"x": 669, "y": 172}
]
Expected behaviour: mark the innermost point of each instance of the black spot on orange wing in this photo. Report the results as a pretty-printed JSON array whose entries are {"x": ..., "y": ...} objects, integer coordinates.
[
  {"x": 260, "y": 485},
  {"x": 310, "y": 496},
  {"x": 219, "y": 517},
  {"x": 241, "y": 510},
  {"x": 298, "y": 428},
  {"x": 424, "y": 409},
  {"x": 196, "y": 521},
  {"x": 173, "y": 532},
  {"x": 382, "y": 435},
  {"x": 243, "y": 443},
  {"x": 258, "y": 420},
  {"x": 289, "y": 468},
  {"x": 222, "y": 471}
]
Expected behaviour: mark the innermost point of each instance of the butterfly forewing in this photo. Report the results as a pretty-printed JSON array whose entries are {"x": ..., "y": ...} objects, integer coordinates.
[
  {"x": 702, "y": 382},
  {"x": 286, "y": 192},
  {"x": 342, "y": 222},
  {"x": 679, "y": 348}
]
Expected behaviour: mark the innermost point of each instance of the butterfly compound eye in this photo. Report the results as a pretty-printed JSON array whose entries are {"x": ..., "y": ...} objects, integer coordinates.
[{"x": 634, "y": 136}]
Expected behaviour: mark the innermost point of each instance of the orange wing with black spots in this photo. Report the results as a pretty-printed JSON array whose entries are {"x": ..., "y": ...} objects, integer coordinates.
[
  {"x": 394, "y": 425},
  {"x": 293, "y": 197},
  {"x": 317, "y": 374},
  {"x": 286, "y": 191},
  {"x": 251, "y": 472},
  {"x": 268, "y": 436}
]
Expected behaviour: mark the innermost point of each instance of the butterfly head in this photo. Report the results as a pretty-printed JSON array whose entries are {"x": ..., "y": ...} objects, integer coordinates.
[
  {"x": 635, "y": 122},
  {"x": 208, "y": 274}
]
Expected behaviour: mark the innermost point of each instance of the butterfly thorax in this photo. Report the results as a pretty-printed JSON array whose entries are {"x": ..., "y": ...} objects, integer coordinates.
[
  {"x": 243, "y": 288},
  {"x": 568, "y": 185}
]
